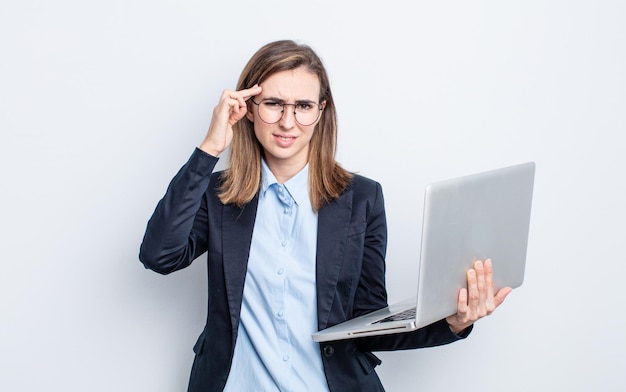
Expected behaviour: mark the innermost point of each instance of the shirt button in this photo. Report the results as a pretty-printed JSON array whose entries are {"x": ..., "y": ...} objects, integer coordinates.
[
  {"x": 285, "y": 358},
  {"x": 329, "y": 351},
  {"x": 284, "y": 243},
  {"x": 280, "y": 189},
  {"x": 280, "y": 271},
  {"x": 280, "y": 313}
]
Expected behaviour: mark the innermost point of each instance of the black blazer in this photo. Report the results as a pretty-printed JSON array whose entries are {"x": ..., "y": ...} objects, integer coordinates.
[{"x": 350, "y": 272}]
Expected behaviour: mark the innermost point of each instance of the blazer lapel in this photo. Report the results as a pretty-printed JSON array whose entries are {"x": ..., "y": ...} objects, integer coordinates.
[
  {"x": 332, "y": 233},
  {"x": 237, "y": 227}
]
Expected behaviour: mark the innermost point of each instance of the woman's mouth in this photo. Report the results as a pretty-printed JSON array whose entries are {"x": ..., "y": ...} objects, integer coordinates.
[{"x": 284, "y": 141}]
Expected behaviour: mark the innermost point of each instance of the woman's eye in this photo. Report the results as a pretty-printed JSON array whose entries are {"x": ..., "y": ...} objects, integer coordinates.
[{"x": 272, "y": 104}]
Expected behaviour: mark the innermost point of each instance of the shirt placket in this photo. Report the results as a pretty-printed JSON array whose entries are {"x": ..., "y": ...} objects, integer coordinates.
[{"x": 287, "y": 219}]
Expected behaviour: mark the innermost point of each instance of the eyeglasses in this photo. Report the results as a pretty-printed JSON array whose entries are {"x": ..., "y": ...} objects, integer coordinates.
[{"x": 306, "y": 112}]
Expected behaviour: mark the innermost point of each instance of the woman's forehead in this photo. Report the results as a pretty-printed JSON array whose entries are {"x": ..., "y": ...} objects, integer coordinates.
[{"x": 298, "y": 83}]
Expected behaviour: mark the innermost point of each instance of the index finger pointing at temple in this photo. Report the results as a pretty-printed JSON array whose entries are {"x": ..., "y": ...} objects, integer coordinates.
[{"x": 250, "y": 92}]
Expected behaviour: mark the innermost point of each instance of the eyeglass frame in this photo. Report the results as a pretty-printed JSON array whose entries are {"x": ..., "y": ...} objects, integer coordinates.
[{"x": 320, "y": 107}]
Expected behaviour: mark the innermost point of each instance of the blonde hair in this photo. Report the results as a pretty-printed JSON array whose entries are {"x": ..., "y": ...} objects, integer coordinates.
[{"x": 327, "y": 179}]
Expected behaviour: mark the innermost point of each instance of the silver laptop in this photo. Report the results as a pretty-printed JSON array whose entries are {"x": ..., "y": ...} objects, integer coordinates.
[{"x": 484, "y": 215}]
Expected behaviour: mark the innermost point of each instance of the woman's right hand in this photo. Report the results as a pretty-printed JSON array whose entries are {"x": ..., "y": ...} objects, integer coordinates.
[{"x": 230, "y": 109}]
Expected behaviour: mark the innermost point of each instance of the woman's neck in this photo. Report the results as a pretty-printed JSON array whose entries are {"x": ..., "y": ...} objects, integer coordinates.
[{"x": 284, "y": 170}]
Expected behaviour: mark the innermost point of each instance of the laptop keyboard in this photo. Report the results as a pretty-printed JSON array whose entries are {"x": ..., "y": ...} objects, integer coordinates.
[{"x": 408, "y": 314}]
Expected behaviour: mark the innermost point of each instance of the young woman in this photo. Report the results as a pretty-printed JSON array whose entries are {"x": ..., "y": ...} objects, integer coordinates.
[{"x": 294, "y": 242}]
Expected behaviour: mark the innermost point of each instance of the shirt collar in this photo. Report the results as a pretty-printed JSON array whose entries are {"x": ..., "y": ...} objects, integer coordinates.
[{"x": 297, "y": 186}]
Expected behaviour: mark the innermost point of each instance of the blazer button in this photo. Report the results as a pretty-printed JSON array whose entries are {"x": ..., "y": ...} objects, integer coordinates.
[{"x": 329, "y": 351}]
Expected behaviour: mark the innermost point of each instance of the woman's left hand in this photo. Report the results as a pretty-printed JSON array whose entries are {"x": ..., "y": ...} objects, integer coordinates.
[{"x": 478, "y": 300}]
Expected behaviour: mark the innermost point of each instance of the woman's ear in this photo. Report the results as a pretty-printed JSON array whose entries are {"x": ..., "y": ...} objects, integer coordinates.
[{"x": 249, "y": 113}]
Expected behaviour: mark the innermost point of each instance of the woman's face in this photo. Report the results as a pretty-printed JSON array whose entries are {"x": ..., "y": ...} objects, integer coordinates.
[{"x": 286, "y": 142}]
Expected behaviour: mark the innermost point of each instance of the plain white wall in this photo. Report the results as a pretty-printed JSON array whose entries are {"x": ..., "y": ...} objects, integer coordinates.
[{"x": 102, "y": 101}]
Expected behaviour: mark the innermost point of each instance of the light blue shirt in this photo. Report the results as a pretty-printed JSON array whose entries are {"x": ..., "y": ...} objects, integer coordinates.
[{"x": 274, "y": 350}]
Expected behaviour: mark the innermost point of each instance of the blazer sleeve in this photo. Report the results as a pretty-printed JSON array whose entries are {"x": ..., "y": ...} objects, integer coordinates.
[
  {"x": 176, "y": 232},
  {"x": 436, "y": 334}
]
